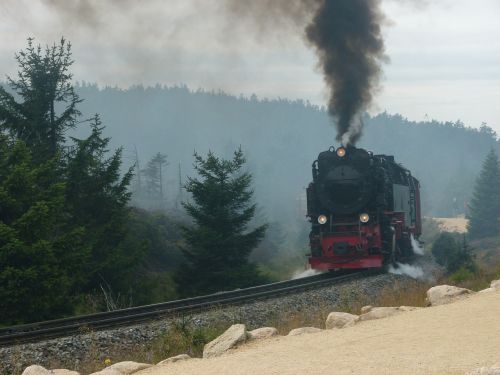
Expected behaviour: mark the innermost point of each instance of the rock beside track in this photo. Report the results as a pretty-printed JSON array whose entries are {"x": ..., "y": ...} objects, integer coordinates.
[
  {"x": 384, "y": 312},
  {"x": 366, "y": 309},
  {"x": 495, "y": 285},
  {"x": 177, "y": 358},
  {"x": 262, "y": 333},
  {"x": 441, "y": 294},
  {"x": 303, "y": 331},
  {"x": 123, "y": 368},
  {"x": 39, "y": 370},
  {"x": 340, "y": 320},
  {"x": 379, "y": 313},
  {"x": 234, "y": 335},
  {"x": 36, "y": 370}
]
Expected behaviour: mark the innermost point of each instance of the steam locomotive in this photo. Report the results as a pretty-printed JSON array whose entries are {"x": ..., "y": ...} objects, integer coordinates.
[{"x": 364, "y": 210}]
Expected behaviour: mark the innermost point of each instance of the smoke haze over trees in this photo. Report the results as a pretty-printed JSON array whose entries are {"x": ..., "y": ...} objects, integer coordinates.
[{"x": 281, "y": 139}]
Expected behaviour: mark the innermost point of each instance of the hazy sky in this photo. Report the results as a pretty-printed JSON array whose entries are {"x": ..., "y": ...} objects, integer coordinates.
[{"x": 444, "y": 54}]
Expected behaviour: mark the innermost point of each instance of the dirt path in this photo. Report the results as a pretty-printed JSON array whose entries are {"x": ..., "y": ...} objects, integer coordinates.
[
  {"x": 448, "y": 339},
  {"x": 452, "y": 224}
]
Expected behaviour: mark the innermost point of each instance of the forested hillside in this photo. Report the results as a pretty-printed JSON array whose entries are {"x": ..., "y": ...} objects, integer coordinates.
[
  {"x": 281, "y": 138},
  {"x": 103, "y": 251}
]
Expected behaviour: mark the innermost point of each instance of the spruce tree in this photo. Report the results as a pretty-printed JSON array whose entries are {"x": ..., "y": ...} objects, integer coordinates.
[
  {"x": 219, "y": 243},
  {"x": 153, "y": 174},
  {"x": 485, "y": 204},
  {"x": 48, "y": 102},
  {"x": 41, "y": 250},
  {"x": 97, "y": 197}
]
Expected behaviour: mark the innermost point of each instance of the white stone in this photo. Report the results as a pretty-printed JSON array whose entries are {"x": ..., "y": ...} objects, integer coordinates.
[
  {"x": 123, "y": 368},
  {"x": 107, "y": 371},
  {"x": 494, "y": 370},
  {"x": 379, "y": 313},
  {"x": 441, "y": 294},
  {"x": 494, "y": 286},
  {"x": 180, "y": 357},
  {"x": 384, "y": 312},
  {"x": 36, "y": 370},
  {"x": 262, "y": 333},
  {"x": 39, "y": 370},
  {"x": 409, "y": 308},
  {"x": 303, "y": 330},
  {"x": 62, "y": 371},
  {"x": 340, "y": 320},
  {"x": 234, "y": 335},
  {"x": 487, "y": 290},
  {"x": 366, "y": 309}
]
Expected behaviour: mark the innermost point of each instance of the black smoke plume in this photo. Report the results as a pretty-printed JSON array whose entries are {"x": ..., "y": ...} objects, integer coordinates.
[{"x": 347, "y": 37}]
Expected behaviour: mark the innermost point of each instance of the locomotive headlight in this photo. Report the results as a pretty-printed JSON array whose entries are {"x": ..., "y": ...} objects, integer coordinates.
[
  {"x": 322, "y": 219},
  {"x": 364, "y": 217},
  {"x": 341, "y": 152}
]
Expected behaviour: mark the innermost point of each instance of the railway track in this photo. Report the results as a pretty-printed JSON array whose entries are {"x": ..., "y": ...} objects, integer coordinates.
[{"x": 40, "y": 331}]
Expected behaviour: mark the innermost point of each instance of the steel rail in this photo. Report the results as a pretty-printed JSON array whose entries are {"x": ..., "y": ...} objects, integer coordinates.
[{"x": 107, "y": 320}]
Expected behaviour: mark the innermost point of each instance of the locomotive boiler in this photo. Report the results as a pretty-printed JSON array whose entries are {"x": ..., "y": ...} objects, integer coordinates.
[{"x": 364, "y": 210}]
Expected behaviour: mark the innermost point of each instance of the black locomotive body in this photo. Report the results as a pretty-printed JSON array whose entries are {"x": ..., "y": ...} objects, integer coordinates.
[{"x": 364, "y": 210}]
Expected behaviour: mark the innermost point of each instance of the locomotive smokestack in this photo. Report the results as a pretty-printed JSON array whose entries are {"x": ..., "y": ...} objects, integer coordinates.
[{"x": 348, "y": 41}]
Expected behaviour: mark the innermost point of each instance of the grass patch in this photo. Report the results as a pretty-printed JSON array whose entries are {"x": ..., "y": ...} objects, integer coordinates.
[
  {"x": 410, "y": 293},
  {"x": 478, "y": 280},
  {"x": 285, "y": 322},
  {"x": 183, "y": 338}
]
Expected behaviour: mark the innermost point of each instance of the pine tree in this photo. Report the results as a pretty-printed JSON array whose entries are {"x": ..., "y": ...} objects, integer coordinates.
[
  {"x": 218, "y": 243},
  {"x": 97, "y": 197},
  {"x": 153, "y": 174},
  {"x": 41, "y": 249},
  {"x": 485, "y": 205},
  {"x": 48, "y": 100}
]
